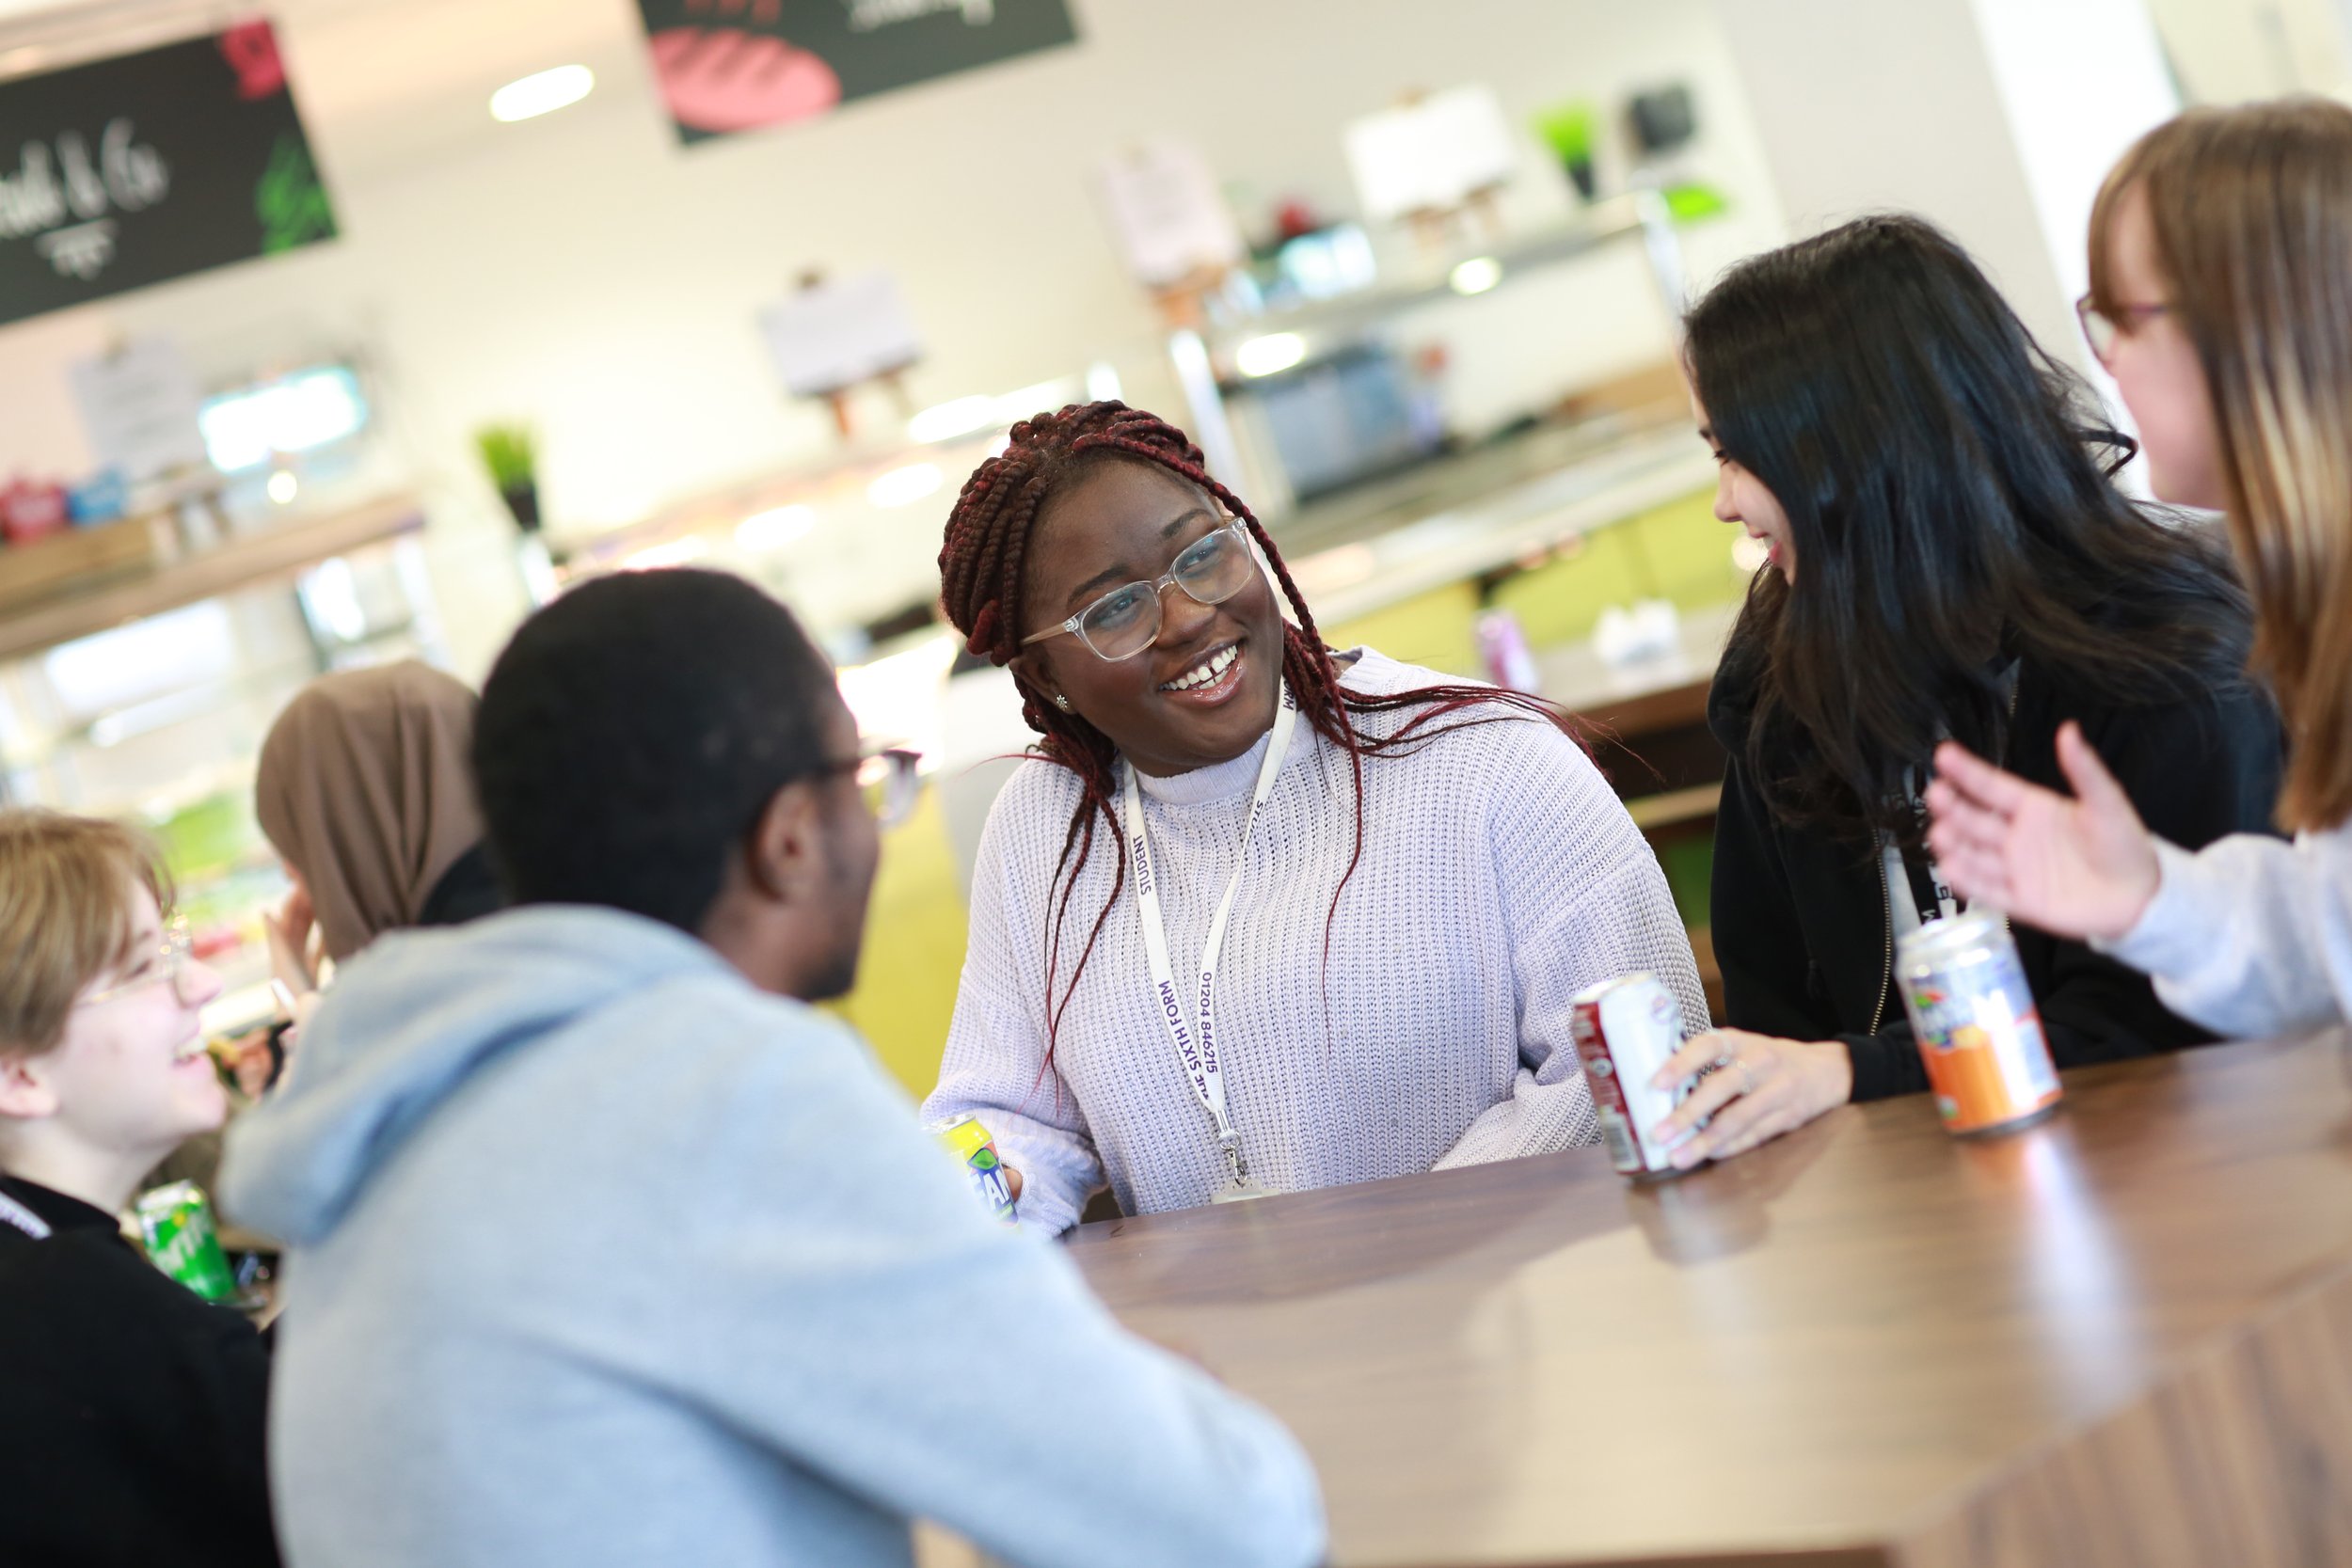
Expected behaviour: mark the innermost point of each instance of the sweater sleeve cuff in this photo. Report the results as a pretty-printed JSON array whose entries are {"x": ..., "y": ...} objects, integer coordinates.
[
  {"x": 1877, "y": 1073},
  {"x": 2175, "y": 930}
]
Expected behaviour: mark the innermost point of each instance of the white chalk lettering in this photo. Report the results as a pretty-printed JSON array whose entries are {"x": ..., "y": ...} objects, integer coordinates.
[
  {"x": 31, "y": 198},
  {"x": 84, "y": 190},
  {"x": 866, "y": 15},
  {"x": 136, "y": 175},
  {"x": 81, "y": 251},
  {"x": 60, "y": 195}
]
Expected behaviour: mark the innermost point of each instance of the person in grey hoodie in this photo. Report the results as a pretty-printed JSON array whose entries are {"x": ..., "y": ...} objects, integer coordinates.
[{"x": 605, "y": 1248}]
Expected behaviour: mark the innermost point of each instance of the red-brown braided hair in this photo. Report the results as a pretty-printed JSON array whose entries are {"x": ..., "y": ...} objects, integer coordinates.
[{"x": 980, "y": 574}]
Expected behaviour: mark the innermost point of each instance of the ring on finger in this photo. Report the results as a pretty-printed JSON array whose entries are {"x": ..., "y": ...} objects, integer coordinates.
[{"x": 1747, "y": 1075}]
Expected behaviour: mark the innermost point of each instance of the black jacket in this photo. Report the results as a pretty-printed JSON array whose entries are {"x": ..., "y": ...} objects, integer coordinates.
[
  {"x": 467, "y": 891},
  {"x": 130, "y": 1410},
  {"x": 1801, "y": 924}
]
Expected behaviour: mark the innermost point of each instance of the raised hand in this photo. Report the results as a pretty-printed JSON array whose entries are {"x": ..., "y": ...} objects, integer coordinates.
[{"x": 2082, "y": 868}]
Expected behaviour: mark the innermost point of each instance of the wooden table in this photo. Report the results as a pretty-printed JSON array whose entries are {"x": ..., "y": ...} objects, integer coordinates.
[{"x": 2123, "y": 1338}]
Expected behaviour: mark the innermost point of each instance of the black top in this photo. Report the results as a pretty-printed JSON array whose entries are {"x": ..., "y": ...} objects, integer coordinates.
[
  {"x": 1801, "y": 928},
  {"x": 467, "y": 890},
  {"x": 130, "y": 1410}
]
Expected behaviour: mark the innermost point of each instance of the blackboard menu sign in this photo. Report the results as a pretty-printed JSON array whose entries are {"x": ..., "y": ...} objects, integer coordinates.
[
  {"x": 737, "y": 65},
  {"x": 129, "y": 171}
]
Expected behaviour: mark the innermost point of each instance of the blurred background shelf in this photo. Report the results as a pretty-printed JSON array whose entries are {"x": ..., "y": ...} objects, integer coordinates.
[
  {"x": 242, "y": 560},
  {"x": 1637, "y": 215}
]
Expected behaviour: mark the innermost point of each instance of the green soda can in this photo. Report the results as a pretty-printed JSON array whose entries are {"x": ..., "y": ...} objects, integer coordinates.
[
  {"x": 176, "y": 1223},
  {"x": 972, "y": 1145}
]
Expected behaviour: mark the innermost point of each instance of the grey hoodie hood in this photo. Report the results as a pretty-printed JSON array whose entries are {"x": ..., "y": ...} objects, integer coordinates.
[{"x": 407, "y": 1025}]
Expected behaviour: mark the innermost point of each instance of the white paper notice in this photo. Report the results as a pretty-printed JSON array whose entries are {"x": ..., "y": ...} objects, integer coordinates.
[
  {"x": 1166, "y": 213},
  {"x": 140, "y": 406},
  {"x": 1430, "y": 156},
  {"x": 836, "y": 335}
]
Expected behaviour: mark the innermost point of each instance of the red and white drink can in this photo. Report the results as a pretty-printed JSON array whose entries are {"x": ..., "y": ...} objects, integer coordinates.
[{"x": 1624, "y": 1029}]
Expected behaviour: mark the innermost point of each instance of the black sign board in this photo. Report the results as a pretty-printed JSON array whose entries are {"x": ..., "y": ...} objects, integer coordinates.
[
  {"x": 739, "y": 65},
  {"x": 149, "y": 166}
]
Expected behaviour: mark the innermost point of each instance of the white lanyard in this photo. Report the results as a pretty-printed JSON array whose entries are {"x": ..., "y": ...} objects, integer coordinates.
[
  {"x": 15, "y": 1214},
  {"x": 1199, "y": 1058}
]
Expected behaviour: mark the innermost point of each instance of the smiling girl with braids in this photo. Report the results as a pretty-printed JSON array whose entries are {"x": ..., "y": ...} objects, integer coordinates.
[{"x": 1257, "y": 916}]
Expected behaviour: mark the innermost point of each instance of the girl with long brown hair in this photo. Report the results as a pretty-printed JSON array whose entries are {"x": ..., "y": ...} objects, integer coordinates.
[
  {"x": 1260, "y": 915},
  {"x": 2221, "y": 301}
]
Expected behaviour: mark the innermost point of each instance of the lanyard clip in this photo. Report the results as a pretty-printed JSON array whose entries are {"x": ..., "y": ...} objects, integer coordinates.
[{"x": 1230, "y": 1142}]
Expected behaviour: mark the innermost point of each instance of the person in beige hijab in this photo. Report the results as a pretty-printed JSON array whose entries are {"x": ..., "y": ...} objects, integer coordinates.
[{"x": 365, "y": 791}]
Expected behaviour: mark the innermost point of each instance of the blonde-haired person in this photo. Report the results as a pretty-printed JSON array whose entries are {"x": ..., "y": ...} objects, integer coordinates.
[
  {"x": 2221, "y": 302},
  {"x": 134, "y": 1419}
]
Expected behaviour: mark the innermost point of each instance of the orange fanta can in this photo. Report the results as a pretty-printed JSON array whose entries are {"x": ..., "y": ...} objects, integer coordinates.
[{"x": 1979, "y": 1031}]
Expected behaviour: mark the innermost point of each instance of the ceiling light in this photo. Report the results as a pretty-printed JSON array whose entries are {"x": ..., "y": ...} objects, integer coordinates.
[
  {"x": 283, "y": 487},
  {"x": 905, "y": 486},
  {"x": 1276, "y": 351},
  {"x": 544, "y": 93},
  {"x": 775, "y": 527},
  {"x": 677, "y": 552},
  {"x": 944, "y": 422},
  {"x": 1476, "y": 276},
  {"x": 1029, "y": 402}
]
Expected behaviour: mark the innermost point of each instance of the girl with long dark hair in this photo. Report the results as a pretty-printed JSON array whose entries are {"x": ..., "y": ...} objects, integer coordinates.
[
  {"x": 1949, "y": 560},
  {"x": 1259, "y": 916}
]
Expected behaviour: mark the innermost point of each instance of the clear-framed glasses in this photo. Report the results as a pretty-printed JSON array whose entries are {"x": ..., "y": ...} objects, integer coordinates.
[
  {"x": 2101, "y": 330},
  {"x": 891, "y": 781},
  {"x": 1126, "y": 621},
  {"x": 168, "y": 962}
]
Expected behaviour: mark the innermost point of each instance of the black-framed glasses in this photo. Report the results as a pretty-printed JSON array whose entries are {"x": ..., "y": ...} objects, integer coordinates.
[
  {"x": 1126, "y": 621},
  {"x": 2101, "y": 330},
  {"x": 891, "y": 781},
  {"x": 167, "y": 962}
]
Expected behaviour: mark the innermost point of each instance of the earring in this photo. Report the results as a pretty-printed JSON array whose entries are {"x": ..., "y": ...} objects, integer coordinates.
[{"x": 1062, "y": 702}]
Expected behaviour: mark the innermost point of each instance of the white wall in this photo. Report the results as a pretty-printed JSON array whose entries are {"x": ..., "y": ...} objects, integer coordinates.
[
  {"x": 1994, "y": 118},
  {"x": 587, "y": 273},
  {"x": 2229, "y": 51}
]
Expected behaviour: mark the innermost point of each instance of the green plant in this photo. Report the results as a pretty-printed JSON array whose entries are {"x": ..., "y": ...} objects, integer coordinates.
[
  {"x": 510, "y": 452},
  {"x": 1567, "y": 129}
]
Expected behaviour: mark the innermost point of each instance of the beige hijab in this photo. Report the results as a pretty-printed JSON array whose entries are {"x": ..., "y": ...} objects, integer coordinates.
[{"x": 365, "y": 789}]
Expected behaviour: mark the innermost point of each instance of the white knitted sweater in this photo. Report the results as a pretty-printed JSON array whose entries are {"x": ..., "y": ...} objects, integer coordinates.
[{"x": 1500, "y": 876}]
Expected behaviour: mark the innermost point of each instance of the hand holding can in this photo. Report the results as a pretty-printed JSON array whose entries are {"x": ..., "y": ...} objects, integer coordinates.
[
  {"x": 1625, "y": 1029},
  {"x": 998, "y": 1184}
]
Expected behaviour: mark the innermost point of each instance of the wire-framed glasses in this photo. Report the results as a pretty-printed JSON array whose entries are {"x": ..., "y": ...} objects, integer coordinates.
[
  {"x": 166, "y": 961},
  {"x": 2103, "y": 330},
  {"x": 1126, "y": 621}
]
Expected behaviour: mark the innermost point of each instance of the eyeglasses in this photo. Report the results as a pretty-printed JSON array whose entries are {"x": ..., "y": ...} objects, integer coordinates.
[
  {"x": 891, "y": 784},
  {"x": 890, "y": 781},
  {"x": 2101, "y": 330},
  {"x": 169, "y": 961},
  {"x": 1126, "y": 621}
]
